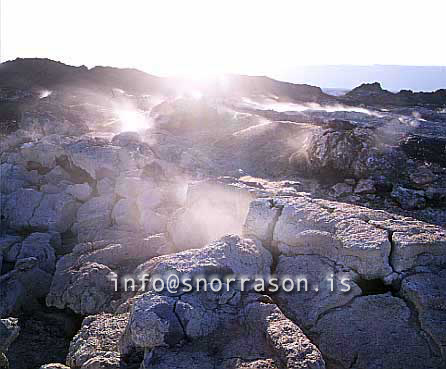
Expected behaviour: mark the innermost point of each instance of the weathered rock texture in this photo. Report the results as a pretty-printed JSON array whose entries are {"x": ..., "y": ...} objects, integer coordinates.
[
  {"x": 246, "y": 181},
  {"x": 377, "y": 254}
]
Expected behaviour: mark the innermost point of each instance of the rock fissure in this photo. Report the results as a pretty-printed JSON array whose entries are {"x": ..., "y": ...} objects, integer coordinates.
[{"x": 434, "y": 345}]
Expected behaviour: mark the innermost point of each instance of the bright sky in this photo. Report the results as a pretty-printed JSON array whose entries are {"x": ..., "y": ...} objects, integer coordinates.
[{"x": 168, "y": 37}]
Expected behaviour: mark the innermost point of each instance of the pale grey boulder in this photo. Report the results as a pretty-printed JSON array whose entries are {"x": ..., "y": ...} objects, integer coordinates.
[
  {"x": 20, "y": 206},
  {"x": 373, "y": 332},
  {"x": 105, "y": 186},
  {"x": 230, "y": 254},
  {"x": 347, "y": 211},
  {"x": 125, "y": 214},
  {"x": 364, "y": 248},
  {"x": 55, "y": 212},
  {"x": 56, "y": 176},
  {"x": 204, "y": 314},
  {"x": 344, "y": 234},
  {"x": 85, "y": 280},
  {"x": 319, "y": 290},
  {"x": 96, "y": 344},
  {"x": 414, "y": 243},
  {"x": 96, "y": 211},
  {"x": 98, "y": 160},
  {"x": 158, "y": 320},
  {"x": 49, "y": 188},
  {"x": 54, "y": 366},
  {"x": 93, "y": 215},
  {"x": 311, "y": 239},
  {"x": 423, "y": 248},
  {"x": 87, "y": 289},
  {"x": 301, "y": 214},
  {"x": 41, "y": 246},
  {"x": 261, "y": 220},
  {"x": 82, "y": 191},
  {"x": 374, "y": 243},
  {"x": 256, "y": 331},
  {"x": 15, "y": 177},
  {"x": 152, "y": 323},
  {"x": 165, "y": 145},
  {"x": 293, "y": 349},
  {"x": 190, "y": 329},
  {"x": 43, "y": 152},
  {"x": 130, "y": 250}
]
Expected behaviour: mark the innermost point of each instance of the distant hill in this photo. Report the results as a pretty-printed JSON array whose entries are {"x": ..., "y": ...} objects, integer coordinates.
[
  {"x": 45, "y": 73},
  {"x": 373, "y": 94},
  {"x": 49, "y": 74},
  {"x": 27, "y": 74},
  {"x": 392, "y": 77}
]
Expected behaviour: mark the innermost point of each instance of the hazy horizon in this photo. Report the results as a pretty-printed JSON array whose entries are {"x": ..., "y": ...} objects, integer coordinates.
[
  {"x": 345, "y": 77},
  {"x": 289, "y": 40}
]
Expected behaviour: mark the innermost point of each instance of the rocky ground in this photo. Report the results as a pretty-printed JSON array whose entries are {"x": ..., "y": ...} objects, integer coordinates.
[{"x": 95, "y": 188}]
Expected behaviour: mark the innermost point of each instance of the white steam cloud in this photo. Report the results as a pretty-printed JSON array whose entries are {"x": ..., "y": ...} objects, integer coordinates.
[
  {"x": 293, "y": 107},
  {"x": 44, "y": 94}
]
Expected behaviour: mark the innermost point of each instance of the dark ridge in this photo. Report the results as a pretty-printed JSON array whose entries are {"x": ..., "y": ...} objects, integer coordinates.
[
  {"x": 44, "y": 73},
  {"x": 34, "y": 74},
  {"x": 374, "y": 94}
]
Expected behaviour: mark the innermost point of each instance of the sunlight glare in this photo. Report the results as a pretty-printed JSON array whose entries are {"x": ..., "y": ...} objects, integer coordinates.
[
  {"x": 132, "y": 120},
  {"x": 45, "y": 93}
]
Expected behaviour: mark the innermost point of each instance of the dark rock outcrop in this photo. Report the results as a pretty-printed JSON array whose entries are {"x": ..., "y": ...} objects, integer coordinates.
[{"x": 374, "y": 94}]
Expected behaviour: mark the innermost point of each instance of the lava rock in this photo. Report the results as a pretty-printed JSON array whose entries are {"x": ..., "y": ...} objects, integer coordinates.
[
  {"x": 409, "y": 199},
  {"x": 341, "y": 189},
  {"x": 365, "y": 186}
]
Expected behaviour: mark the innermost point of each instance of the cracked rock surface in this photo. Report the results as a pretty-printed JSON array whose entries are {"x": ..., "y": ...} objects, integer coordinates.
[
  {"x": 394, "y": 268},
  {"x": 347, "y": 203}
]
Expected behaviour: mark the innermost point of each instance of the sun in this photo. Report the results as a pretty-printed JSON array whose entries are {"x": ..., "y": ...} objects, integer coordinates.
[{"x": 132, "y": 120}]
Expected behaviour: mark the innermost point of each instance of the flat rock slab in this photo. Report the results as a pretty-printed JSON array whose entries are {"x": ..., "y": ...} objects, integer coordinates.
[{"x": 374, "y": 332}]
